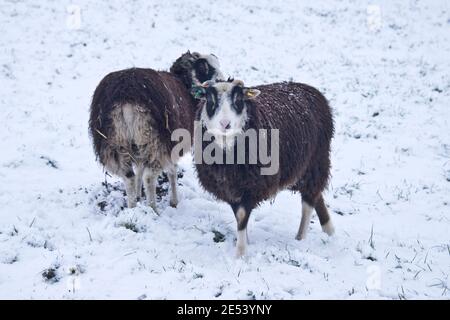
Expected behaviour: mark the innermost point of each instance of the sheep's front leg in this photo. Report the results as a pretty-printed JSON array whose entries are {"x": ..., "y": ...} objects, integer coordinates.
[
  {"x": 173, "y": 186},
  {"x": 242, "y": 214},
  {"x": 150, "y": 176}
]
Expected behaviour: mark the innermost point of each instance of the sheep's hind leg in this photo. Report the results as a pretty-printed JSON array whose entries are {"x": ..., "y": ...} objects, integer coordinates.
[
  {"x": 324, "y": 217},
  {"x": 138, "y": 182},
  {"x": 242, "y": 215},
  {"x": 172, "y": 174},
  {"x": 128, "y": 177},
  {"x": 307, "y": 210},
  {"x": 322, "y": 212},
  {"x": 121, "y": 165},
  {"x": 150, "y": 177}
]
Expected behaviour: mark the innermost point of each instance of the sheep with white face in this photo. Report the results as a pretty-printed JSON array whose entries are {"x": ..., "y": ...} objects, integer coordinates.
[{"x": 228, "y": 110}]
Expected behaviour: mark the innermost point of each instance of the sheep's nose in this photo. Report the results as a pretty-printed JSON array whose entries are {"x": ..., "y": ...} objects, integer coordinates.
[{"x": 225, "y": 124}]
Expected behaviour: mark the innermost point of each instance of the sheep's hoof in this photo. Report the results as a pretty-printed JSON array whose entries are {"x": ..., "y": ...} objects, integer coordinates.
[
  {"x": 153, "y": 206},
  {"x": 131, "y": 204},
  {"x": 299, "y": 237},
  {"x": 173, "y": 203},
  {"x": 240, "y": 252},
  {"x": 328, "y": 228}
]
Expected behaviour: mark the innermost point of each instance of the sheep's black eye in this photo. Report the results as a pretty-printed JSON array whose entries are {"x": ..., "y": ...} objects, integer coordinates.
[
  {"x": 211, "y": 105},
  {"x": 238, "y": 105}
]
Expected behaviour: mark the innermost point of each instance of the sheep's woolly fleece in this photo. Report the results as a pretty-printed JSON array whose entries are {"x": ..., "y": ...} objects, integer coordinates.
[{"x": 384, "y": 68}]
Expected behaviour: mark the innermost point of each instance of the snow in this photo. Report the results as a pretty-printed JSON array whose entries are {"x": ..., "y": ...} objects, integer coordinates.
[{"x": 384, "y": 66}]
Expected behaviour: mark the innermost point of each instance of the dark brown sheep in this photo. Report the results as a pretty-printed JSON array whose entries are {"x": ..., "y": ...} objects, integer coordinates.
[
  {"x": 304, "y": 120},
  {"x": 133, "y": 114}
]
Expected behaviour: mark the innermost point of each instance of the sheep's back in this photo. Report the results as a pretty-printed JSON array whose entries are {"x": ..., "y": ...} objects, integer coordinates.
[
  {"x": 160, "y": 95},
  {"x": 303, "y": 117}
]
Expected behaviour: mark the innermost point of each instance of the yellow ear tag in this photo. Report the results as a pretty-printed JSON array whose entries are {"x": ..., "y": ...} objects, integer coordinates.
[{"x": 250, "y": 93}]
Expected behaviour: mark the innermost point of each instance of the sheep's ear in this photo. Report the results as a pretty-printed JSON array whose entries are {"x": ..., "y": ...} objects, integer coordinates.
[
  {"x": 250, "y": 93},
  {"x": 198, "y": 92}
]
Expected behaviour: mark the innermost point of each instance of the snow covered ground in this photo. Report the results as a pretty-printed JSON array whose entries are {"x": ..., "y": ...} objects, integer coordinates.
[{"x": 385, "y": 67}]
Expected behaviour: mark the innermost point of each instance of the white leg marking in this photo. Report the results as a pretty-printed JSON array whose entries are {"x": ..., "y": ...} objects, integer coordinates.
[
  {"x": 306, "y": 219},
  {"x": 241, "y": 244},
  {"x": 240, "y": 214},
  {"x": 130, "y": 188},
  {"x": 328, "y": 228},
  {"x": 138, "y": 182},
  {"x": 150, "y": 187},
  {"x": 173, "y": 187}
]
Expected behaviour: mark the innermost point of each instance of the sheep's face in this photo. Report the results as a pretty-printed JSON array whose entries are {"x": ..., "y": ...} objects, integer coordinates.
[
  {"x": 224, "y": 110},
  {"x": 205, "y": 67},
  {"x": 195, "y": 68}
]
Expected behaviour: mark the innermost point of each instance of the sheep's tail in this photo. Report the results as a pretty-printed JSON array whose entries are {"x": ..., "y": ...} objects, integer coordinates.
[{"x": 132, "y": 127}]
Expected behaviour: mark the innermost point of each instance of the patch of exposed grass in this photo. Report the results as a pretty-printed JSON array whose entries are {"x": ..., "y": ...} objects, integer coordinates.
[
  {"x": 130, "y": 225},
  {"x": 218, "y": 236},
  {"x": 50, "y": 275}
]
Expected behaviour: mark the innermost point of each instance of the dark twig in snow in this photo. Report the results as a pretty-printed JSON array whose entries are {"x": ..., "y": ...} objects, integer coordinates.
[
  {"x": 371, "y": 242},
  {"x": 90, "y": 236}
]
